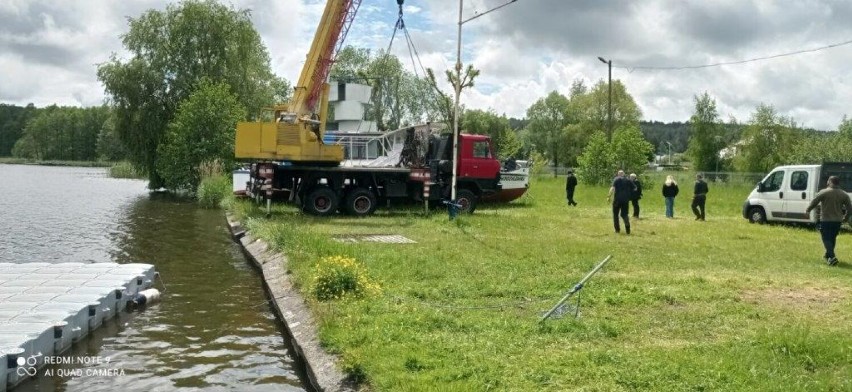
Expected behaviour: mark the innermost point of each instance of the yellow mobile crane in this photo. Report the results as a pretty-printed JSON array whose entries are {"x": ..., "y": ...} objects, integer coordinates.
[{"x": 296, "y": 133}]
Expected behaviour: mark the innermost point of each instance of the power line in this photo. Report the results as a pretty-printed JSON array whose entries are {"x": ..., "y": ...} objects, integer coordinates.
[{"x": 631, "y": 69}]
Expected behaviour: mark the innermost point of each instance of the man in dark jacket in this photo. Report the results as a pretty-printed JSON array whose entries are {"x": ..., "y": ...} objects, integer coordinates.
[
  {"x": 620, "y": 193},
  {"x": 570, "y": 185},
  {"x": 699, "y": 197},
  {"x": 637, "y": 194},
  {"x": 834, "y": 205}
]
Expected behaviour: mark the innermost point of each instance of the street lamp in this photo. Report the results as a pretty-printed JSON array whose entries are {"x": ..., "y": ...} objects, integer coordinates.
[
  {"x": 670, "y": 152},
  {"x": 609, "y": 105},
  {"x": 458, "y": 92}
]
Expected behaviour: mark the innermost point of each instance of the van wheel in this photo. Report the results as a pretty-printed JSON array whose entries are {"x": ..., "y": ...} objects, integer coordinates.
[
  {"x": 756, "y": 215},
  {"x": 321, "y": 201},
  {"x": 467, "y": 199},
  {"x": 360, "y": 202}
]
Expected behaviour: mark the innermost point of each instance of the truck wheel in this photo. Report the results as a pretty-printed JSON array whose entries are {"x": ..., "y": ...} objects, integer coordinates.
[
  {"x": 321, "y": 201},
  {"x": 756, "y": 215},
  {"x": 467, "y": 199},
  {"x": 360, "y": 202}
]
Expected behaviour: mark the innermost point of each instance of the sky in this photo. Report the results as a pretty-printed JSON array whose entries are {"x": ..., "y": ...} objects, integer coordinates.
[{"x": 49, "y": 50}]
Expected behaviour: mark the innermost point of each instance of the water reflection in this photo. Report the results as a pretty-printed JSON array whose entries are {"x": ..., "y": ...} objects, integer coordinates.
[{"x": 213, "y": 329}]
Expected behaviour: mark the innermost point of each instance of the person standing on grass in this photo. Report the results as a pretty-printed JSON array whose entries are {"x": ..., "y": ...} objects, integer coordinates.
[
  {"x": 670, "y": 190},
  {"x": 637, "y": 194},
  {"x": 620, "y": 193},
  {"x": 570, "y": 185},
  {"x": 699, "y": 197},
  {"x": 834, "y": 204}
]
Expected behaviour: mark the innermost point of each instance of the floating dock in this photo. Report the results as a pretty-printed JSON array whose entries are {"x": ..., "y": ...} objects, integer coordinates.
[{"x": 45, "y": 308}]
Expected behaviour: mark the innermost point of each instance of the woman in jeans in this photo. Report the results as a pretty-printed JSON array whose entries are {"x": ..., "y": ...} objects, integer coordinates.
[{"x": 669, "y": 192}]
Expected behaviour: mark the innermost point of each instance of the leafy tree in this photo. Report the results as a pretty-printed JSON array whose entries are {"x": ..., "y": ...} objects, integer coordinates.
[
  {"x": 767, "y": 137},
  {"x": 548, "y": 118},
  {"x": 398, "y": 97},
  {"x": 350, "y": 65},
  {"x": 65, "y": 133},
  {"x": 592, "y": 108},
  {"x": 706, "y": 137},
  {"x": 446, "y": 103},
  {"x": 202, "y": 131},
  {"x": 630, "y": 149},
  {"x": 13, "y": 119},
  {"x": 482, "y": 122},
  {"x": 109, "y": 146},
  {"x": 171, "y": 51},
  {"x": 597, "y": 162}
]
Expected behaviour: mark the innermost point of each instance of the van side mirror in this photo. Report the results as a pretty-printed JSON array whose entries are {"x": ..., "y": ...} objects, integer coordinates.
[{"x": 760, "y": 186}]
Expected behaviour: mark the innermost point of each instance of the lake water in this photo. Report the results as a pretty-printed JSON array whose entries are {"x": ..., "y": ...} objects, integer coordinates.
[{"x": 212, "y": 330}]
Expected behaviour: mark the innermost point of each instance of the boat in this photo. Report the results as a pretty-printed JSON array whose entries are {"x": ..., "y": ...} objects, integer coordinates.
[{"x": 515, "y": 181}]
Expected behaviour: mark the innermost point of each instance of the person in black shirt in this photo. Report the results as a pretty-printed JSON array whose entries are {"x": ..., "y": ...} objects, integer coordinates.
[
  {"x": 637, "y": 194},
  {"x": 699, "y": 197},
  {"x": 670, "y": 190},
  {"x": 620, "y": 194},
  {"x": 570, "y": 184}
]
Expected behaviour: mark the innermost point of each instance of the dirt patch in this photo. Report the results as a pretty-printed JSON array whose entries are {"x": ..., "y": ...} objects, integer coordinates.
[{"x": 794, "y": 297}]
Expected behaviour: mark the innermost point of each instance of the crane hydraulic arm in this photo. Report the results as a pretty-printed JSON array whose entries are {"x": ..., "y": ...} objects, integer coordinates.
[{"x": 298, "y": 127}]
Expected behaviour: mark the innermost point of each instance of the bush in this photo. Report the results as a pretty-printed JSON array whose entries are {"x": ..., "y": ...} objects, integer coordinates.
[
  {"x": 125, "y": 169},
  {"x": 213, "y": 190},
  {"x": 340, "y": 277}
]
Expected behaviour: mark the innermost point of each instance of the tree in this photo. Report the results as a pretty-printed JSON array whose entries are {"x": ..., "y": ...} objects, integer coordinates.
[
  {"x": 13, "y": 119},
  {"x": 630, "y": 149},
  {"x": 706, "y": 137},
  {"x": 398, "y": 97},
  {"x": 64, "y": 133},
  {"x": 592, "y": 108},
  {"x": 445, "y": 103},
  {"x": 202, "y": 131},
  {"x": 597, "y": 162},
  {"x": 109, "y": 146},
  {"x": 481, "y": 122},
  {"x": 548, "y": 119},
  {"x": 765, "y": 141},
  {"x": 172, "y": 51}
]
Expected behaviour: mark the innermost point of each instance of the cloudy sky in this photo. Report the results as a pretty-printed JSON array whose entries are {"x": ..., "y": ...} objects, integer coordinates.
[{"x": 49, "y": 49}]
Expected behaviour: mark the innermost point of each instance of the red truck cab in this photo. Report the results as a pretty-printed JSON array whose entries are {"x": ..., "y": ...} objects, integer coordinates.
[{"x": 477, "y": 158}]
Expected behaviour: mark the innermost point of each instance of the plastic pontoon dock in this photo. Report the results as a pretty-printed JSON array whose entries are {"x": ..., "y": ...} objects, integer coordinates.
[{"x": 46, "y": 307}]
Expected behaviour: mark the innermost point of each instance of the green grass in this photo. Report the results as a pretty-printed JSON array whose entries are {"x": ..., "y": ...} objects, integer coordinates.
[
  {"x": 682, "y": 306},
  {"x": 125, "y": 169},
  {"x": 214, "y": 190}
]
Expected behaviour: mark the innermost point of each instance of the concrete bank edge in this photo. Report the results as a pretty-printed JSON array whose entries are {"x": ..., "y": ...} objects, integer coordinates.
[{"x": 288, "y": 302}]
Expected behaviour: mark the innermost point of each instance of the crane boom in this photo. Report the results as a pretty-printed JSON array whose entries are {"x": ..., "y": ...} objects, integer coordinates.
[
  {"x": 331, "y": 32},
  {"x": 296, "y": 134}
]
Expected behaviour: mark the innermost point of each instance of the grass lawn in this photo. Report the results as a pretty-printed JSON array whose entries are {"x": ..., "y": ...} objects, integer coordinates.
[{"x": 721, "y": 305}]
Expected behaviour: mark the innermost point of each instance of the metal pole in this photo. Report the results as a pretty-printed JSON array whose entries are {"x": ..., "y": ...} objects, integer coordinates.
[
  {"x": 577, "y": 287},
  {"x": 456, "y": 108},
  {"x": 609, "y": 108}
]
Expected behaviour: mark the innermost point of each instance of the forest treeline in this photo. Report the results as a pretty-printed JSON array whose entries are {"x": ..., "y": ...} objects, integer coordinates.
[
  {"x": 88, "y": 134},
  {"x": 59, "y": 133}
]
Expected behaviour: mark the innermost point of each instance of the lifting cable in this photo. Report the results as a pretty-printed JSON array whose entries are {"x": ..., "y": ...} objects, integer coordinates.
[{"x": 412, "y": 50}]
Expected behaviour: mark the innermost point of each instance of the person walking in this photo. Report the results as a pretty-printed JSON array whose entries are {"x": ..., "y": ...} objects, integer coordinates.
[
  {"x": 620, "y": 193},
  {"x": 570, "y": 185},
  {"x": 670, "y": 190},
  {"x": 637, "y": 194},
  {"x": 834, "y": 204},
  {"x": 699, "y": 197}
]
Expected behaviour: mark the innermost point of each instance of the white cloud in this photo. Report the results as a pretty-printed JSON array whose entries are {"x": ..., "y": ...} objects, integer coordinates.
[{"x": 48, "y": 50}]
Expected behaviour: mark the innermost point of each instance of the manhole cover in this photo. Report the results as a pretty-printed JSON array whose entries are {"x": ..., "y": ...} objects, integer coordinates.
[{"x": 383, "y": 238}]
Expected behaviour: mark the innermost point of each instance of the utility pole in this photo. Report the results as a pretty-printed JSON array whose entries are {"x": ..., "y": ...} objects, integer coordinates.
[{"x": 609, "y": 104}]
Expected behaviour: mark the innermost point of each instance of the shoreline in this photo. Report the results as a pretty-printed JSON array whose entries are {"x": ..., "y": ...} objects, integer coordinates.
[{"x": 291, "y": 309}]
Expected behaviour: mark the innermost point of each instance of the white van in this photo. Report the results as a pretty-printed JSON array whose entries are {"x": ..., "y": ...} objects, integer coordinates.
[{"x": 784, "y": 194}]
